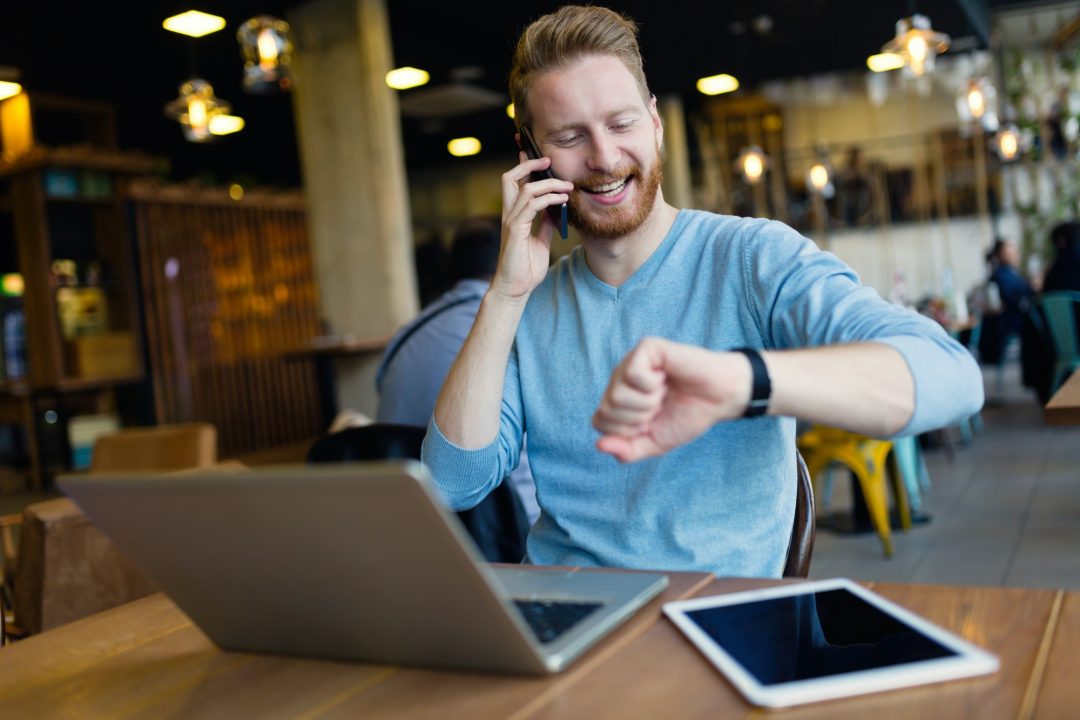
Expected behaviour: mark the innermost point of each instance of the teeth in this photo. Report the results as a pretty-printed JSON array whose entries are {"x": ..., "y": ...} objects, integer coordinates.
[{"x": 609, "y": 189}]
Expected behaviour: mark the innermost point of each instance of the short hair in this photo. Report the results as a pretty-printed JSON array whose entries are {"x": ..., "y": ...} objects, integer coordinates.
[
  {"x": 474, "y": 252},
  {"x": 1067, "y": 232},
  {"x": 574, "y": 31}
]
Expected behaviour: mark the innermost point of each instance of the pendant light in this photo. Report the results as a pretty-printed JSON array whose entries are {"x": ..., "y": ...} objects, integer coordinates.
[
  {"x": 196, "y": 108},
  {"x": 917, "y": 43},
  {"x": 267, "y": 48}
]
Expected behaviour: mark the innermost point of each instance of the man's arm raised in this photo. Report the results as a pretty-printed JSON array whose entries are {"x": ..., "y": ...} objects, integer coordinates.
[
  {"x": 664, "y": 394},
  {"x": 467, "y": 410}
]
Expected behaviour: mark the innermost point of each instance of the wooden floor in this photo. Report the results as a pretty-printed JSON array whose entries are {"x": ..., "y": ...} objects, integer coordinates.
[{"x": 1004, "y": 511}]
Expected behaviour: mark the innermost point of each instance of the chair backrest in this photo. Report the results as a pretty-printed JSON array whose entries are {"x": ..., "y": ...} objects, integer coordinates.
[
  {"x": 1062, "y": 312},
  {"x": 66, "y": 568},
  {"x": 803, "y": 532},
  {"x": 164, "y": 447},
  {"x": 378, "y": 441},
  {"x": 498, "y": 524}
]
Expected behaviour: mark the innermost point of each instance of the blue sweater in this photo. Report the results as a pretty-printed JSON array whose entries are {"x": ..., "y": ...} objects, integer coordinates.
[{"x": 725, "y": 502}]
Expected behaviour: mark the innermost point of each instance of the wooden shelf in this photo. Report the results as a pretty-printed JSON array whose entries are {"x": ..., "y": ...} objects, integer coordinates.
[
  {"x": 78, "y": 384},
  {"x": 84, "y": 157},
  {"x": 80, "y": 200}
]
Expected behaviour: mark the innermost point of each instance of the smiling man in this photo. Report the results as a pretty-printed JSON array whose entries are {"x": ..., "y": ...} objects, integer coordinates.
[{"x": 689, "y": 340}]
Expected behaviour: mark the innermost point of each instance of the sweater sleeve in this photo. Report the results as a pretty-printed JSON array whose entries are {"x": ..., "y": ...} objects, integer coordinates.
[
  {"x": 465, "y": 477},
  {"x": 803, "y": 297}
]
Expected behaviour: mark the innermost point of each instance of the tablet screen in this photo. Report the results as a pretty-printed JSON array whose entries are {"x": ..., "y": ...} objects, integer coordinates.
[
  {"x": 816, "y": 635},
  {"x": 794, "y": 643}
]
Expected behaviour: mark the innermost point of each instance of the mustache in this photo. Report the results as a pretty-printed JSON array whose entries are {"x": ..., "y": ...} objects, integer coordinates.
[{"x": 617, "y": 175}]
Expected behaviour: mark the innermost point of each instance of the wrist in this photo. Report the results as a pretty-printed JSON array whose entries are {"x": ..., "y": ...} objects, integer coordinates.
[{"x": 760, "y": 384}]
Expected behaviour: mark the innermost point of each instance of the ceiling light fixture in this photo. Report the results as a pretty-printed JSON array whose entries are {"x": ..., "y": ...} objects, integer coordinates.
[
  {"x": 403, "y": 78},
  {"x": 819, "y": 179},
  {"x": 976, "y": 102},
  {"x": 463, "y": 147},
  {"x": 9, "y": 89},
  {"x": 752, "y": 163},
  {"x": 226, "y": 124},
  {"x": 717, "y": 84},
  {"x": 918, "y": 43},
  {"x": 196, "y": 107},
  {"x": 267, "y": 48},
  {"x": 883, "y": 62},
  {"x": 8, "y": 85},
  {"x": 194, "y": 23},
  {"x": 1008, "y": 143}
]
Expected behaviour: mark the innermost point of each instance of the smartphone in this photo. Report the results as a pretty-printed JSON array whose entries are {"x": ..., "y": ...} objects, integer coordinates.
[{"x": 528, "y": 144}]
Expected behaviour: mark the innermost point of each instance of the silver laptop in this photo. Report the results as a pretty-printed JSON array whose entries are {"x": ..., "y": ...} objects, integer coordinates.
[{"x": 352, "y": 562}]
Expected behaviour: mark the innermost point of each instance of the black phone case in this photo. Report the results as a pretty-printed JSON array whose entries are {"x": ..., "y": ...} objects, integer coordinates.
[{"x": 532, "y": 150}]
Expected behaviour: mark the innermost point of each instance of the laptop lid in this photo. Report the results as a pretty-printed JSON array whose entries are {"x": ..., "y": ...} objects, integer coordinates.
[{"x": 355, "y": 561}]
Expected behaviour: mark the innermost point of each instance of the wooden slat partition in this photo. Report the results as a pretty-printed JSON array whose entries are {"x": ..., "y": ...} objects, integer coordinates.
[{"x": 229, "y": 289}]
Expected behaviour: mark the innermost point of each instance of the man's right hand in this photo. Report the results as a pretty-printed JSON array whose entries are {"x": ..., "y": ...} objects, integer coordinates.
[{"x": 523, "y": 256}]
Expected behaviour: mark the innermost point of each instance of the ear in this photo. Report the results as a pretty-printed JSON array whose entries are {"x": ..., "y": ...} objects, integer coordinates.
[{"x": 658, "y": 125}]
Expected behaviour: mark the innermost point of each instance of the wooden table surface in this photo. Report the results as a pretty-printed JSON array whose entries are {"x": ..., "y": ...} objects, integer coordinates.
[
  {"x": 1064, "y": 407},
  {"x": 146, "y": 659}
]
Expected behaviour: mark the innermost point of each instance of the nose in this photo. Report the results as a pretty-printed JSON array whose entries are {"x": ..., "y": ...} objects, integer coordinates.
[{"x": 603, "y": 153}]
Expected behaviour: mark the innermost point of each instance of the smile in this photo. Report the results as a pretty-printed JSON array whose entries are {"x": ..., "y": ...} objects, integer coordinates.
[{"x": 610, "y": 189}]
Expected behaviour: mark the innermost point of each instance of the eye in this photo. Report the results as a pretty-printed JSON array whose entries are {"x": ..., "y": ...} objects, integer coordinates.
[
  {"x": 567, "y": 140},
  {"x": 623, "y": 125}
]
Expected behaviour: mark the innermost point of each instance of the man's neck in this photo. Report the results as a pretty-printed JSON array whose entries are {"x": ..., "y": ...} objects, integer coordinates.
[{"x": 615, "y": 260}]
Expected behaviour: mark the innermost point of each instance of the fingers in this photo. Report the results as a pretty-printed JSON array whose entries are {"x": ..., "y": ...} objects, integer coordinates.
[
  {"x": 634, "y": 396},
  {"x": 523, "y": 199},
  {"x": 628, "y": 449}
]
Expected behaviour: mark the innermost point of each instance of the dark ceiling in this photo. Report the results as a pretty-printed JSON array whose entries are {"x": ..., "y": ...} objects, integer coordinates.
[{"x": 125, "y": 58}]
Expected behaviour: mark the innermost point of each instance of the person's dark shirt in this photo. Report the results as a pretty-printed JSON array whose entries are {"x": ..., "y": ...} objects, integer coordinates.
[
  {"x": 1014, "y": 290},
  {"x": 1064, "y": 274}
]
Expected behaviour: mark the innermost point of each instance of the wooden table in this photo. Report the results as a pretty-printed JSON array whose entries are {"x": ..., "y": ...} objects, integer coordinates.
[
  {"x": 147, "y": 660},
  {"x": 1064, "y": 407}
]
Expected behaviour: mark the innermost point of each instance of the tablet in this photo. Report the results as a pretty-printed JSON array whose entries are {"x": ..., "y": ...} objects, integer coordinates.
[{"x": 801, "y": 643}]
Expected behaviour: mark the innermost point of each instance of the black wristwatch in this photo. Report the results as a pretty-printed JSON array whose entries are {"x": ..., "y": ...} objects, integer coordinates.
[{"x": 762, "y": 385}]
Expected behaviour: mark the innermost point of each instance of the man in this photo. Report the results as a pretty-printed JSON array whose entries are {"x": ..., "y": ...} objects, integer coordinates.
[
  {"x": 649, "y": 307},
  {"x": 420, "y": 354}
]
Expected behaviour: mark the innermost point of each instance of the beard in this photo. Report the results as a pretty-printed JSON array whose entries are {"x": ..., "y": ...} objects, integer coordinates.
[{"x": 611, "y": 222}]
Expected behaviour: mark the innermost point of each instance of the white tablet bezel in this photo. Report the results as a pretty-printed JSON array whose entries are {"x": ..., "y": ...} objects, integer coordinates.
[{"x": 968, "y": 661}]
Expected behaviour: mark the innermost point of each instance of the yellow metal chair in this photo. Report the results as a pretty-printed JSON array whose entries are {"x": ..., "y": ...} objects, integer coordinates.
[{"x": 866, "y": 458}]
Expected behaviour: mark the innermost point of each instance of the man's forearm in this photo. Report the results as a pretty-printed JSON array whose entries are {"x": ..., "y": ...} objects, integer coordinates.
[
  {"x": 469, "y": 404},
  {"x": 864, "y": 387}
]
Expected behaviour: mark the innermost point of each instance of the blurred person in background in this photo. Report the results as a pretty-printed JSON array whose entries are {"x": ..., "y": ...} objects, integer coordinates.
[{"x": 419, "y": 356}]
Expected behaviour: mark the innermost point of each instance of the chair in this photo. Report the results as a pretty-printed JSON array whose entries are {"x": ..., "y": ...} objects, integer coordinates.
[
  {"x": 66, "y": 568},
  {"x": 498, "y": 525},
  {"x": 803, "y": 532},
  {"x": 907, "y": 462},
  {"x": 165, "y": 447},
  {"x": 1057, "y": 314},
  {"x": 866, "y": 458}
]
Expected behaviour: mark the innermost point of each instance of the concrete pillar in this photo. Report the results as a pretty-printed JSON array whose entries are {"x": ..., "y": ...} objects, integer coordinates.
[
  {"x": 678, "y": 189},
  {"x": 349, "y": 136}
]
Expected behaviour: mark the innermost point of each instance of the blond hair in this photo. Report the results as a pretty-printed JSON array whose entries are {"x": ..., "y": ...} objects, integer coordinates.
[{"x": 566, "y": 35}]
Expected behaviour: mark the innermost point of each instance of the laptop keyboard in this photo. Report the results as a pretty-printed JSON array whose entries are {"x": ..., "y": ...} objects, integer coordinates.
[{"x": 551, "y": 618}]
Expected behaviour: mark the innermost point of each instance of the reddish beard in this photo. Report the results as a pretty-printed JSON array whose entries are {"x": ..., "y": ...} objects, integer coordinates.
[{"x": 611, "y": 222}]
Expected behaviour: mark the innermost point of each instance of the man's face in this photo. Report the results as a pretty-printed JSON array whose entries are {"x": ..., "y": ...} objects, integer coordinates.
[{"x": 591, "y": 120}]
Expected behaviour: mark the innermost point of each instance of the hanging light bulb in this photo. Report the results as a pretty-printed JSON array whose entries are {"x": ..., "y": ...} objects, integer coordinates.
[
  {"x": 819, "y": 179},
  {"x": 196, "y": 109},
  {"x": 267, "y": 50},
  {"x": 1008, "y": 143},
  {"x": 976, "y": 102},
  {"x": 917, "y": 43},
  {"x": 752, "y": 163}
]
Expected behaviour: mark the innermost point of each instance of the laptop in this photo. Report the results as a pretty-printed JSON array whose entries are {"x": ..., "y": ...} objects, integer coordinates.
[{"x": 350, "y": 562}]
